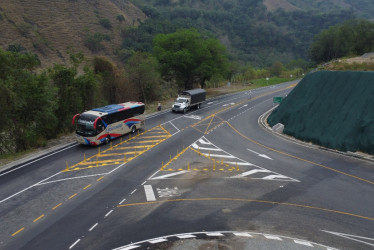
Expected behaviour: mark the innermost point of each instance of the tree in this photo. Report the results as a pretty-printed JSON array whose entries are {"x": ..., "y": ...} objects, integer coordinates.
[
  {"x": 351, "y": 38},
  {"x": 142, "y": 73},
  {"x": 27, "y": 103},
  {"x": 276, "y": 69},
  {"x": 189, "y": 58}
]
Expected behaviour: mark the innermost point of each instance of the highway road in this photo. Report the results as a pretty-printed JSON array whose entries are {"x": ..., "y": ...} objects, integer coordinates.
[{"x": 213, "y": 178}]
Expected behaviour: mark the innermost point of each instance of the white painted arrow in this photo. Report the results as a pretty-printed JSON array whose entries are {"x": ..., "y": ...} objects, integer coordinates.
[{"x": 261, "y": 155}]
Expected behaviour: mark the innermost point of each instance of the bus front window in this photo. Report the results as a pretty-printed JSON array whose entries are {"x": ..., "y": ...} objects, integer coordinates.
[{"x": 85, "y": 126}]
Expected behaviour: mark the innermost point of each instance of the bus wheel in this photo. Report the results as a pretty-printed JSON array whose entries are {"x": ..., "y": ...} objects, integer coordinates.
[
  {"x": 107, "y": 139},
  {"x": 133, "y": 129}
]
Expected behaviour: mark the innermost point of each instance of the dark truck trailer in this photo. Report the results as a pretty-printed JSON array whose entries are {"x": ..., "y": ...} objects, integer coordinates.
[{"x": 188, "y": 99}]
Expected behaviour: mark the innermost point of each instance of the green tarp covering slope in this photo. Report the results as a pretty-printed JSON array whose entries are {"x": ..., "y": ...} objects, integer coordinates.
[{"x": 334, "y": 109}]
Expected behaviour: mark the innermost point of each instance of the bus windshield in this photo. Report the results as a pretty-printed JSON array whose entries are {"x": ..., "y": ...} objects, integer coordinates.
[{"x": 85, "y": 125}]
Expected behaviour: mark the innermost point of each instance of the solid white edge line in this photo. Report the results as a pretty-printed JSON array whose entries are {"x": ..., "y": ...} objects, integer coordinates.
[
  {"x": 76, "y": 242},
  {"x": 72, "y": 178},
  {"x": 28, "y": 187},
  {"x": 24, "y": 165}
]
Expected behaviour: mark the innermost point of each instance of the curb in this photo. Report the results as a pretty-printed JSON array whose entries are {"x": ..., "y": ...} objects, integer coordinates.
[{"x": 262, "y": 121}]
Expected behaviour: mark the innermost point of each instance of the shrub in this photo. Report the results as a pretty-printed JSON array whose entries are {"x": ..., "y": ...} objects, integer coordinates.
[
  {"x": 105, "y": 23},
  {"x": 93, "y": 42}
]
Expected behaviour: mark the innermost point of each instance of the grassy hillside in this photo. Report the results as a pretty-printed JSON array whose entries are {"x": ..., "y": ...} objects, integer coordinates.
[
  {"x": 48, "y": 28},
  {"x": 332, "y": 109}
]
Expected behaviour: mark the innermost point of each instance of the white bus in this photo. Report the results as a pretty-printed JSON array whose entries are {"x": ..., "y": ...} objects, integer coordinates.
[{"x": 100, "y": 125}]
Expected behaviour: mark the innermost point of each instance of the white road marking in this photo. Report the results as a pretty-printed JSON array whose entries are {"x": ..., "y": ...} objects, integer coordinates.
[
  {"x": 214, "y": 234},
  {"x": 272, "y": 237},
  {"x": 222, "y": 156},
  {"x": 253, "y": 171},
  {"x": 196, "y": 117},
  {"x": 243, "y": 234},
  {"x": 29, "y": 187},
  {"x": 186, "y": 236},
  {"x": 209, "y": 103},
  {"x": 143, "y": 183},
  {"x": 107, "y": 214},
  {"x": 122, "y": 201},
  {"x": 169, "y": 175},
  {"x": 149, "y": 194},
  {"x": 239, "y": 163},
  {"x": 305, "y": 243},
  {"x": 92, "y": 228},
  {"x": 194, "y": 145},
  {"x": 178, "y": 130},
  {"x": 245, "y": 105},
  {"x": 353, "y": 237},
  {"x": 261, "y": 155},
  {"x": 208, "y": 146},
  {"x": 76, "y": 242},
  {"x": 133, "y": 191},
  {"x": 72, "y": 178},
  {"x": 41, "y": 158},
  {"x": 157, "y": 241}
]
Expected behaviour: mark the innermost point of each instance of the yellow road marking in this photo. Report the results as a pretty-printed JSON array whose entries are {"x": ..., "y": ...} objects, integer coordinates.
[
  {"x": 14, "y": 234},
  {"x": 250, "y": 200},
  {"x": 100, "y": 178},
  {"x": 57, "y": 206},
  {"x": 94, "y": 161},
  {"x": 299, "y": 158},
  {"x": 89, "y": 185},
  {"x": 71, "y": 197},
  {"x": 41, "y": 216}
]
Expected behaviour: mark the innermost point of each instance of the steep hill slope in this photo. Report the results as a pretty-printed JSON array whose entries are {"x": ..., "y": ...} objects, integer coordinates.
[
  {"x": 361, "y": 8},
  {"x": 49, "y": 27},
  {"x": 331, "y": 108}
]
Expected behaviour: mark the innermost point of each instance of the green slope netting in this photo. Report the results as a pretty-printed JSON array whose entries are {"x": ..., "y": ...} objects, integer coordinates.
[{"x": 332, "y": 109}]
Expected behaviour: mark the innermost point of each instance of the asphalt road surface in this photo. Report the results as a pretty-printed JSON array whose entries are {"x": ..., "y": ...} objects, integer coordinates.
[{"x": 214, "y": 178}]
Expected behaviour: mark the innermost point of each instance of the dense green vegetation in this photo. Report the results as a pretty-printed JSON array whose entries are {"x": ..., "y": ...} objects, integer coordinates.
[
  {"x": 37, "y": 106},
  {"x": 250, "y": 32},
  {"x": 352, "y": 38},
  {"x": 187, "y": 58}
]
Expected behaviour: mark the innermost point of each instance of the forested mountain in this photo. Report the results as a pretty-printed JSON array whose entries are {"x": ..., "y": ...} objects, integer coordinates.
[
  {"x": 258, "y": 32},
  {"x": 255, "y": 31},
  {"x": 361, "y": 8}
]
